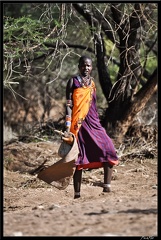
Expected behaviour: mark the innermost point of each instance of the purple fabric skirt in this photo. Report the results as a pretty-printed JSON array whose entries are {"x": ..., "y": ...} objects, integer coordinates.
[{"x": 93, "y": 142}]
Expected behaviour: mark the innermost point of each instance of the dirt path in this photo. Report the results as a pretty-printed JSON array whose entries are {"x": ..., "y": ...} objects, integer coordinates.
[{"x": 34, "y": 208}]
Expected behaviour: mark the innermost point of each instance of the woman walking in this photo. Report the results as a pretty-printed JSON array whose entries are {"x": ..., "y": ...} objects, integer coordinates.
[{"x": 96, "y": 148}]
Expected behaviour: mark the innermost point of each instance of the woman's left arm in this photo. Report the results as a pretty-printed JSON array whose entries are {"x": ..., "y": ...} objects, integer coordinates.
[{"x": 69, "y": 104}]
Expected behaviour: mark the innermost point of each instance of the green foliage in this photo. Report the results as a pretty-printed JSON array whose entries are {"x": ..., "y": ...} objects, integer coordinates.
[
  {"x": 29, "y": 28},
  {"x": 148, "y": 59},
  {"x": 113, "y": 55},
  {"x": 150, "y": 62},
  {"x": 113, "y": 71},
  {"x": 26, "y": 27},
  {"x": 23, "y": 33}
]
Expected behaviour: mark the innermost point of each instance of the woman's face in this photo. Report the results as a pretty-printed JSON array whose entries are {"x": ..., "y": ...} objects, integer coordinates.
[{"x": 85, "y": 67}]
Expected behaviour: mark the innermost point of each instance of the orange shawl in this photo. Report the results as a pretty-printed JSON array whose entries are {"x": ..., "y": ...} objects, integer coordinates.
[{"x": 82, "y": 98}]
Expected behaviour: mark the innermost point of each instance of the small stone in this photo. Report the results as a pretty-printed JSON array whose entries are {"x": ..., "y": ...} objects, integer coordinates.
[{"x": 17, "y": 234}]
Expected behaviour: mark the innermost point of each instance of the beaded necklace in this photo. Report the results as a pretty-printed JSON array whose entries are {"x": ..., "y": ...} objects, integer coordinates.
[{"x": 84, "y": 81}]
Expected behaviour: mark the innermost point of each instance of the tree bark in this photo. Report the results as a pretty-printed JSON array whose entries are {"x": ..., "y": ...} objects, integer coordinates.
[{"x": 135, "y": 106}]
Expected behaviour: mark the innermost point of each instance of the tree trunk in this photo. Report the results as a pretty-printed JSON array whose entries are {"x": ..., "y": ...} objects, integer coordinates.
[{"x": 136, "y": 105}]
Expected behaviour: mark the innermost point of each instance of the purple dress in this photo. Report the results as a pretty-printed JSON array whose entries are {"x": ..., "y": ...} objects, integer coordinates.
[{"x": 95, "y": 146}]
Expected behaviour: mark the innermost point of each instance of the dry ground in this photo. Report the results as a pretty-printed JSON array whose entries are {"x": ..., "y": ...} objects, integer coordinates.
[{"x": 34, "y": 208}]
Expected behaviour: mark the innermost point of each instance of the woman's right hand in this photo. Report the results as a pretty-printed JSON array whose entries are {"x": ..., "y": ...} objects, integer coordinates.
[{"x": 67, "y": 137}]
